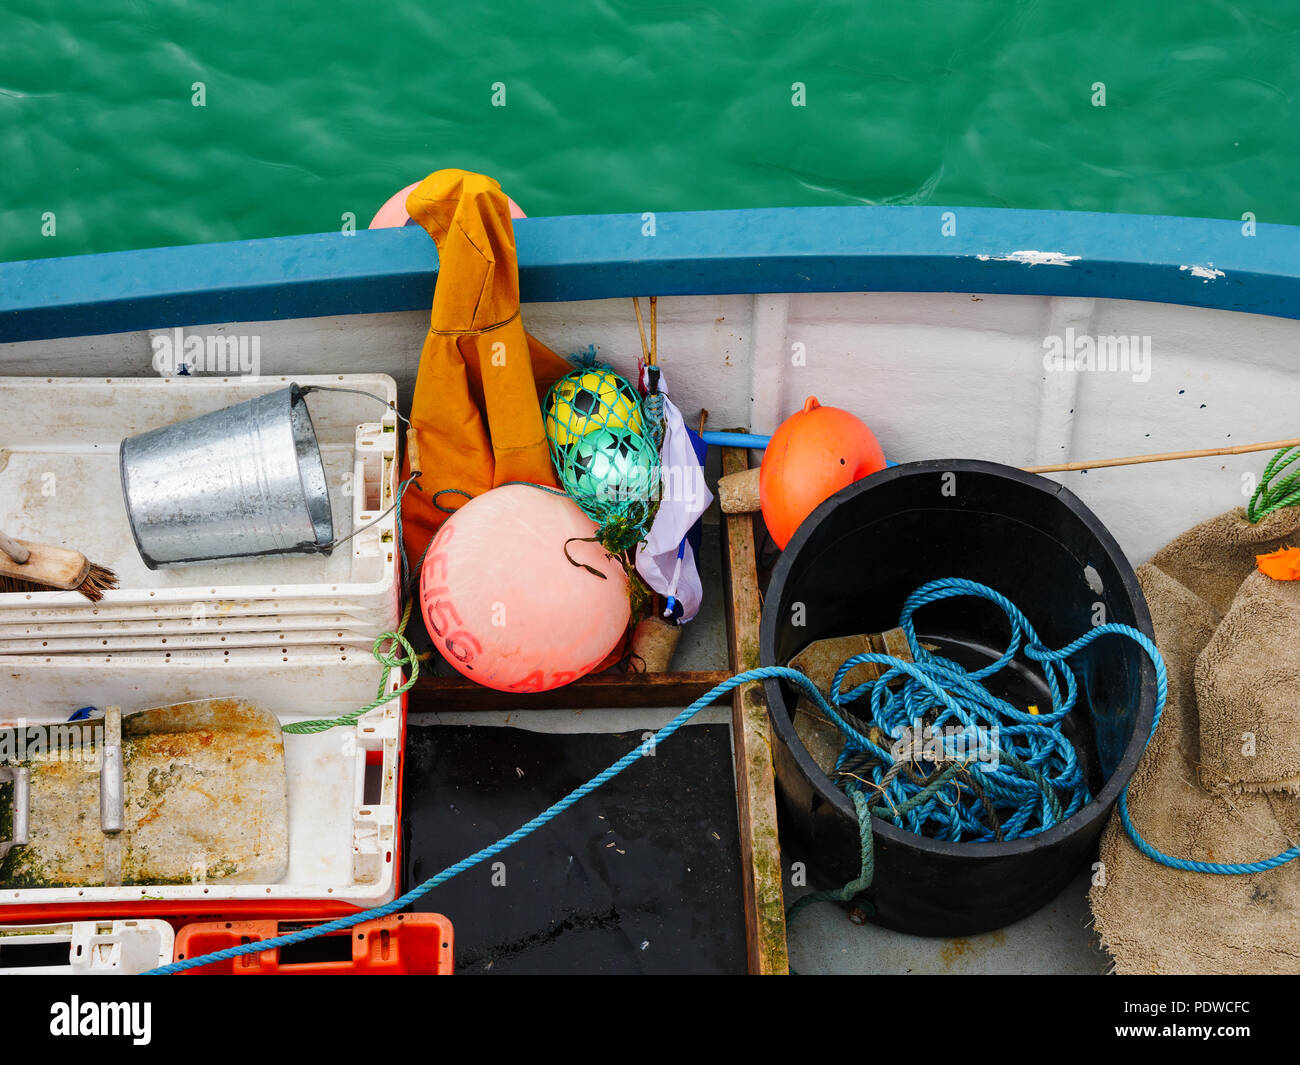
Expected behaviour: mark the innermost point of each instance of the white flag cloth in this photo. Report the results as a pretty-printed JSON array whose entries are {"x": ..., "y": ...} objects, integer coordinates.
[{"x": 685, "y": 496}]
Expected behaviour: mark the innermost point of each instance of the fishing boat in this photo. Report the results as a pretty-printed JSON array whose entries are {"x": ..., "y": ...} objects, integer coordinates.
[{"x": 1024, "y": 338}]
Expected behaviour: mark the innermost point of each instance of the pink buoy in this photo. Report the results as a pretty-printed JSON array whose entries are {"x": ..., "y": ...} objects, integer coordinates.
[
  {"x": 505, "y": 606},
  {"x": 393, "y": 213}
]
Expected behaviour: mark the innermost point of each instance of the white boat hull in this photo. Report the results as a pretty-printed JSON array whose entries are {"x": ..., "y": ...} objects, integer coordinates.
[{"x": 936, "y": 375}]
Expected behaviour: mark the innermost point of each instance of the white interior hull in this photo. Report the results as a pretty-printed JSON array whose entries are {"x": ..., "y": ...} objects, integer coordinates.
[{"x": 935, "y": 375}]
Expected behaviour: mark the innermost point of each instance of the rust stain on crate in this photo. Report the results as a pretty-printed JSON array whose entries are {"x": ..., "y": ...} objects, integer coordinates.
[{"x": 205, "y": 799}]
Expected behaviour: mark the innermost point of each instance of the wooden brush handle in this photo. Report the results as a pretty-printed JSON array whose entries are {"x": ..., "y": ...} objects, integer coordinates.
[
  {"x": 14, "y": 549},
  {"x": 55, "y": 567}
]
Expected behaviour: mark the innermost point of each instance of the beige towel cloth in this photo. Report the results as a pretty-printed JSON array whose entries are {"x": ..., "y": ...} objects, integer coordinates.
[
  {"x": 1248, "y": 692},
  {"x": 1225, "y": 638}
]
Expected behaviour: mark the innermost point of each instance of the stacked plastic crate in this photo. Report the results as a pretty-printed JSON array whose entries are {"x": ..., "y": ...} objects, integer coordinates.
[{"x": 293, "y": 632}]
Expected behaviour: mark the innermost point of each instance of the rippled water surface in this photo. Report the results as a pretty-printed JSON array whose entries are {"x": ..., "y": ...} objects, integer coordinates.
[{"x": 317, "y": 111}]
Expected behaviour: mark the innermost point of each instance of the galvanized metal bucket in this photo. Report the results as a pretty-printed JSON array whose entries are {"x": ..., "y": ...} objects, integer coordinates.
[{"x": 244, "y": 481}]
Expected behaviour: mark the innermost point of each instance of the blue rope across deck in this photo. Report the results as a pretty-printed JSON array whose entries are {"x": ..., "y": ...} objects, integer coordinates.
[{"x": 1020, "y": 777}]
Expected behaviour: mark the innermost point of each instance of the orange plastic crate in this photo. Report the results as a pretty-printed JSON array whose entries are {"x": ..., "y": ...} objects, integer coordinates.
[{"x": 417, "y": 944}]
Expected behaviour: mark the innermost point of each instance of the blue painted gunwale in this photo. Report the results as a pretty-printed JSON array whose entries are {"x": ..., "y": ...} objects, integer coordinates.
[{"x": 797, "y": 249}]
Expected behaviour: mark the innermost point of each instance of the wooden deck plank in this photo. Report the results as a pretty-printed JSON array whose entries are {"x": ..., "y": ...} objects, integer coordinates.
[{"x": 751, "y": 739}]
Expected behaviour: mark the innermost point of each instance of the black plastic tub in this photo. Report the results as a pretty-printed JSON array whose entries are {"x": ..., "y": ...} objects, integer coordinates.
[{"x": 848, "y": 569}]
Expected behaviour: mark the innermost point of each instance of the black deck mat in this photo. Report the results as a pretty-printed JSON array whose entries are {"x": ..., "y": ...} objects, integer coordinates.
[{"x": 643, "y": 876}]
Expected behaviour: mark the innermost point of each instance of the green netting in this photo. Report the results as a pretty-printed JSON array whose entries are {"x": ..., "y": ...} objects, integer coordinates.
[{"x": 605, "y": 460}]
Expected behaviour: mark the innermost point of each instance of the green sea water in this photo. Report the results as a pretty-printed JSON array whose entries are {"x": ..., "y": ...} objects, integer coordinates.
[{"x": 315, "y": 113}]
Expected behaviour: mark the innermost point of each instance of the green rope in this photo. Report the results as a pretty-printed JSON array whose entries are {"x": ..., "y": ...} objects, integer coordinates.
[
  {"x": 385, "y": 646},
  {"x": 1268, "y": 496},
  {"x": 443, "y": 491},
  {"x": 385, "y": 652},
  {"x": 867, "y": 871}
]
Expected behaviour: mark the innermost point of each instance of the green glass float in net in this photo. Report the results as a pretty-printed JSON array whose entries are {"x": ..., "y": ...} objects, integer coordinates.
[{"x": 609, "y": 467}]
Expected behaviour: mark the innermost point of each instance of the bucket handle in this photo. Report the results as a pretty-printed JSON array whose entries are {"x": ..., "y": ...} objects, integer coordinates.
[
  {"x": 303, "y": 390},
  {"x": 401, "y": 491}
]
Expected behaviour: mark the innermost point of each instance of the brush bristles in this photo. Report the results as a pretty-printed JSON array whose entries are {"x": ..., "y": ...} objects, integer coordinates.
[
  {"x": 98, "y": 580},
  {"x": 13, "y": 584}
]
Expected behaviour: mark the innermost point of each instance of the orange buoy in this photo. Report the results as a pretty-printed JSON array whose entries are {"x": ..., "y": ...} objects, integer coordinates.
[
  {"x": 814, "y": 454},
  {"x": 517, "y": 595}
]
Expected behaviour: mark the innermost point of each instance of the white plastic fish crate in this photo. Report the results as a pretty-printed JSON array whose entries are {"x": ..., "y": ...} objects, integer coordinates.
[
  {"x": 343, "y": 784},
  {"x": 59, "y": 484},
  {"x": 93, "y": 948}
]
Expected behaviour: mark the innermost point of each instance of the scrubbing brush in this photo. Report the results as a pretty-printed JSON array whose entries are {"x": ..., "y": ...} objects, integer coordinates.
[{"x": 28, "y": 567}]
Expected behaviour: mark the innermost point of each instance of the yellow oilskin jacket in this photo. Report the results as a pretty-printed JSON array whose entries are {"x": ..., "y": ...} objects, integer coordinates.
[{"x": 476, "y": 420}]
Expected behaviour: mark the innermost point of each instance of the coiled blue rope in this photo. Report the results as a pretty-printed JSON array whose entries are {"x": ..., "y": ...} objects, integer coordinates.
[
  {"x": 1021, "y": 775},
  {"x": 1040, "y": 757},
  {"x": 929, "y": 684}
]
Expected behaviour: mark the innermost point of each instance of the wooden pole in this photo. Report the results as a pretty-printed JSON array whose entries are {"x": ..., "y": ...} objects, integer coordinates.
[
  {"x": 752, "y": 743},
  {"x": 1164, "y": 456},
  {"x": 640, "y": 325},
  {"x": 738, "y": 492}
]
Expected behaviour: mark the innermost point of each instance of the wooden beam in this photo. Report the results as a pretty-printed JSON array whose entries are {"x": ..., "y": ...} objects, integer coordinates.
[
  {"x": 457, "y": 694},
  {"x": 751, "y": 739}
]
